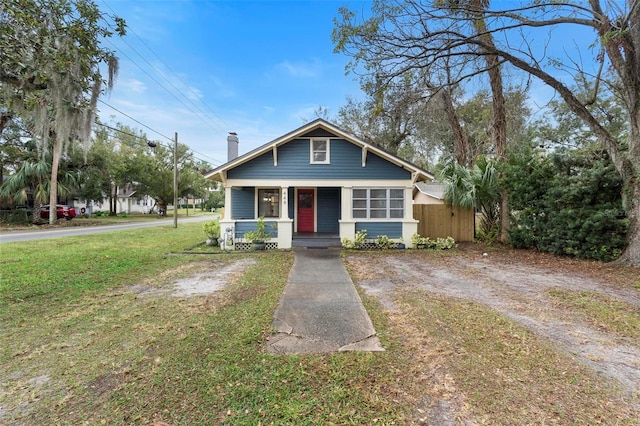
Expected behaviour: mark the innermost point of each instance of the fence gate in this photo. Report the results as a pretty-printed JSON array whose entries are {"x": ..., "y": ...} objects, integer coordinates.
[{"x": 440, "y": 220}]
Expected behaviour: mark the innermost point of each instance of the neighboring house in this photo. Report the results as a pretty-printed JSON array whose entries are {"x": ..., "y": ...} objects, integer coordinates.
[
  {"x": 128, "y": 201},
  {"x": 438, "y": 219},
  {"x": 318, "y": 180}
]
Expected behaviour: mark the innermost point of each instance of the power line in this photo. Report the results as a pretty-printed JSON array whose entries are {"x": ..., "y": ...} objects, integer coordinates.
[
  {"x": 140, "y": 123},
  {"x": 203, "y": 117},
  {"x": 146, "y": 142}
]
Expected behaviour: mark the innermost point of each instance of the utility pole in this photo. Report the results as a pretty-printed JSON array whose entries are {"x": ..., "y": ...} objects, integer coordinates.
[{"x": 175, "y": 181}]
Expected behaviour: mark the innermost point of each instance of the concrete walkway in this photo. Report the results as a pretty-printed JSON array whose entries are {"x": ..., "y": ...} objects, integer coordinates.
[{"x": 320, "y": 310}]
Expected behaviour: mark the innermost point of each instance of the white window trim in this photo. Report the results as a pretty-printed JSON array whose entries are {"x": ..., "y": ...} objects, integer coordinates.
[
  {"x": 257, "y": 201},
  {"x": 328, "y": 156},
  {"x": 368, "y": 204}
]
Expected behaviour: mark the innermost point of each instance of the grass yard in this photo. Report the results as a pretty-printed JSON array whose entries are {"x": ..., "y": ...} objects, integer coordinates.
[
  {"x": 92, "y": 333},
  {"x": 87, "y": 341}
]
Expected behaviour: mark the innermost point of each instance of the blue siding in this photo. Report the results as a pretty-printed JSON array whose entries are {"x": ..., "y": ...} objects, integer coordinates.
[
  {"x": 243, "y": 203},
  {"x": 390, "y": 229},
  {"x": 242, "y": 227},
  {"x": 291, "y": 194},
  {"x": 293, "y": 163},
  {"x": 328, "y": 209}
]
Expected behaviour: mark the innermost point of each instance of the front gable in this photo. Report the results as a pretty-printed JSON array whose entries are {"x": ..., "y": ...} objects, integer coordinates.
[
  {"x": 295, "y": 156},
  {"x": 292, "y": 160}
]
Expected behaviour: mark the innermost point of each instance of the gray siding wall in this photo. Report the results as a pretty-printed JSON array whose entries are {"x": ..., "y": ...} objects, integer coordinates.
[
  {"x": 390, "y": 229},
  {"x": 293, "y": 163},
  {"x": 328, "y": 209},
  {"x": 243, "y": 203}
]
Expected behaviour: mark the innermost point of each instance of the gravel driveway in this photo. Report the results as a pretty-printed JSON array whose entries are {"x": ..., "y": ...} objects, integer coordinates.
[{"x": 516, "y": 284}]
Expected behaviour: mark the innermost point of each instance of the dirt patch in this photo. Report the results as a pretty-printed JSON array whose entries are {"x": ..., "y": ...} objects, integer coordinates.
[
  {"x": 210, "y": 281},
  {"x": 516, "y": 284},
  {"x": 198, "y": 278}
]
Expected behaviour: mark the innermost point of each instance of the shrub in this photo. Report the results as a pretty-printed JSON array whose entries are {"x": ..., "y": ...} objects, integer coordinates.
[
  {"x": 568, "y": 203},
  {"x": 211, "y": 229},
  {"x": 437, "y": 244},
  {"x": 260, "y": 234},
  {"x": 359, "y": 239},
  {"x": 383, "y": 242}
]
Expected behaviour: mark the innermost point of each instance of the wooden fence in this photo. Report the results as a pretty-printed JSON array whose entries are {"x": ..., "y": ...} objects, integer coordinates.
[{"x": 440, "y": 220}]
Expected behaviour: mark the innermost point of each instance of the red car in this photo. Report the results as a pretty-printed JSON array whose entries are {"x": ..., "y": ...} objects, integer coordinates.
[{"x": 61, "y": 211}]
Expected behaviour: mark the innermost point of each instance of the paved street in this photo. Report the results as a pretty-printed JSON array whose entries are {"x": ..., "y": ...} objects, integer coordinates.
[{"x": 40, "y": 234}]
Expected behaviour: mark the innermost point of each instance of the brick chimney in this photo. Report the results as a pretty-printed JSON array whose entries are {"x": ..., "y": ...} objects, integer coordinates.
[{"x": 232, "y": 146}]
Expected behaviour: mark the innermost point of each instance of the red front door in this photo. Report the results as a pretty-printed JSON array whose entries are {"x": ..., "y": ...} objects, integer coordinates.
[{"x": 306, "y": 214}]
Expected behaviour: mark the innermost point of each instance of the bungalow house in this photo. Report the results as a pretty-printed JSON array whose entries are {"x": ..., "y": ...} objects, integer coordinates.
[{"x": 317, "y": 180}]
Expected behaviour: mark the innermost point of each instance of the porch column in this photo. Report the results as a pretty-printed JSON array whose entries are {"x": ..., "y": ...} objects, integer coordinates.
[
  {"x": 347, "y": 224},
  {"x": 409, "y": 224},
  {"x": 285, "y": 224},
  {"x": 284, "y": 203}
]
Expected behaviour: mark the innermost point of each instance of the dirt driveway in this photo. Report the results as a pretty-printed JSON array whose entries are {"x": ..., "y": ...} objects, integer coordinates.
[{"x": 517, "y": 284}]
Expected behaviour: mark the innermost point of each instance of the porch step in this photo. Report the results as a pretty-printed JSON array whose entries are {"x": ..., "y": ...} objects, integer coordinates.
[{"x": 316, "y": 242}]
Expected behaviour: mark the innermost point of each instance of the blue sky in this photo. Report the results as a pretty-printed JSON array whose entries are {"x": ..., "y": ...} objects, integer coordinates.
[
  {"x": 259, "y": 68},
  {"x": 205, "y": 68}
]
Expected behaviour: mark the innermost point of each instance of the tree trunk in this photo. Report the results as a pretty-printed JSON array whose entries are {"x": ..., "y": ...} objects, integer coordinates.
[
  {"x": 631, "y": 254},
  {"x": 499, "y": 122},
  {"x": 53, "y": 189},
  {"x": 461, "y": 148}
]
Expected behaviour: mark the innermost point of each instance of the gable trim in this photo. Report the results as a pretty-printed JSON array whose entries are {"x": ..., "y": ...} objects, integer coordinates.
[{"x": 417, "y": 173}]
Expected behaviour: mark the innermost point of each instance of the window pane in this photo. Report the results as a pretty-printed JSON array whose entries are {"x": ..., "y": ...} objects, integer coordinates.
[
  {"x": 269, "y": 202},
  {"x": 378, "y": 214},
  {"x": 359, "y": 193},
  {"x": 378, "y": 204},
  {"x": 319, "y": 156},
  {"x": 320, "y": 146},
  {"x": 305, "y": 200},
  {"x": 395, "y": 214},
  {"x": 359, "y": 204},
  {"x": 396, "y": 204},
  {"x": 359, "y": 214},
  {"x": 378, "y": 193},
  {"x": 397, "y": 193}
]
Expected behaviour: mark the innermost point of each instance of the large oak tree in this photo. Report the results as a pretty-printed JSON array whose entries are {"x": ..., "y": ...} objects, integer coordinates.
[
  {"x": 50, "y": 70},
  {"x": 401, "y": 37}
]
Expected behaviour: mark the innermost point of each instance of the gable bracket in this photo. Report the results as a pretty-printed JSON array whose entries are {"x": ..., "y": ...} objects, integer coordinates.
[{"x": 364, "y": 156}]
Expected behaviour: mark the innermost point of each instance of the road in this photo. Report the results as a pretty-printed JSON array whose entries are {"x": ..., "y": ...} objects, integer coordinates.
[{"x": 41, "y": 234}]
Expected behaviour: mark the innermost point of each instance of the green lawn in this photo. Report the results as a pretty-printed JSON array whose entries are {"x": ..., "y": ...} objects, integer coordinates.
[
  {"x": 91, "y": 334},
  {"x": 81, "y": 343}
]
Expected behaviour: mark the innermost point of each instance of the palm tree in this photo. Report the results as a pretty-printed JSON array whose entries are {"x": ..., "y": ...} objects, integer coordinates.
[
  {"x": 474, "y": 188},
  {"x": 35, "y": 174}
]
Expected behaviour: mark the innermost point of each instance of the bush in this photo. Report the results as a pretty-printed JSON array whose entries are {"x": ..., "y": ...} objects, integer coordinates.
[
  {"x": 568, "y": 203},
  {"x": 211, "y": 229},
  {"x": 383, "y": 242},
  {"x": 437, "y": 244},
  {"x": 359, "y": 239}
]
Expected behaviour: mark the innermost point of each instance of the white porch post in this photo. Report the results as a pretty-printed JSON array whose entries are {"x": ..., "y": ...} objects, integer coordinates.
[
  {"x": 347, "y": 224},
  {"x": 226, "y": 221},
  {"x": 285, "y": 224},
  {"x": 409, "y": 224}
]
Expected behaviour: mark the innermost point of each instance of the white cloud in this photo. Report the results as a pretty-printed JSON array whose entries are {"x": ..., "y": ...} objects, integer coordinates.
[
  {"x": 310, "y": 69},
  {"x": 131, "y": 85}
]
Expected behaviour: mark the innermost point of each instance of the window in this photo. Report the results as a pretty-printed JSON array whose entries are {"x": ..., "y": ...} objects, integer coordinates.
[
  {"x": 269, "y": 202},
  {"x": 378, "y": 203},
  {"x": 319, "y": 151}
]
